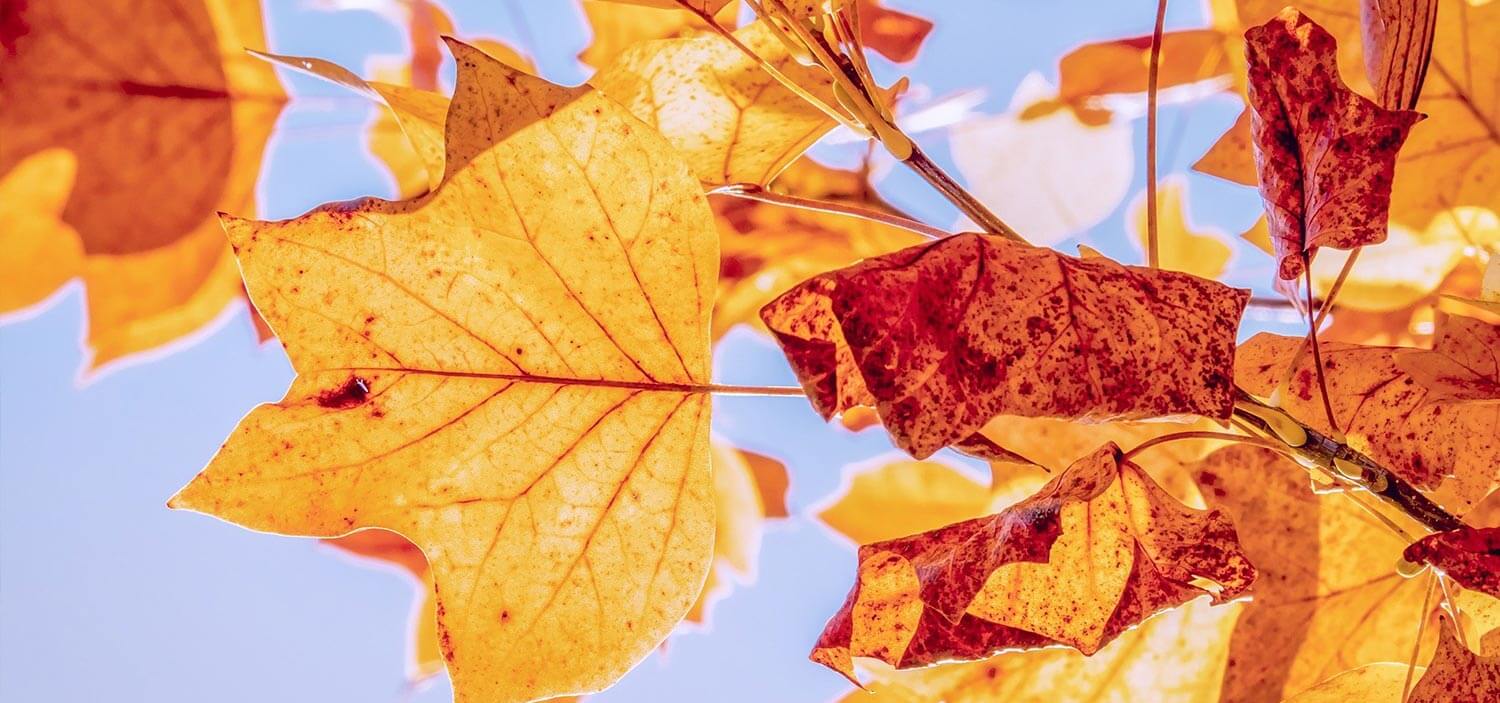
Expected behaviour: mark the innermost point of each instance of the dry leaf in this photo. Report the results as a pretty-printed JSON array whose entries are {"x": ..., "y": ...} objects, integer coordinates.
[
  {"x": 1458, "y": 675},
  {"x": 509, "y": 372},
  {"x": 1471, "y": 556},
  {"x": 172, "y": 114},
  {"x": 901, "y": 498},
  {"x": 1326, "y": 155},
  {"x": 730, "y": 118},
  {"x": 1202, "y": 252},
  {"x": 1099, "y": 549},
  {"x": 942, "y": 337},
  {"x": 1382, "y": 410},
  {"x": 1049, "y": 176},
  {"x": 1328, "y": 597},
  {"x": 1176, "y": 656},
  {"x": 1464, "y": 363},
  {"x": 1371, "y": 683},
  {"x": 1397, "y": 47},
  {"x": 619, "y": 25}
]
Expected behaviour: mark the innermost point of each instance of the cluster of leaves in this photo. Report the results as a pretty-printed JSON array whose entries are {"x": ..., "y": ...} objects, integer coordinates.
[{"x": 504, "y": 377}]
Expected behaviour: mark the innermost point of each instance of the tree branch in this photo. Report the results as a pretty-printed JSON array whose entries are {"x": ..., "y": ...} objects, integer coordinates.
[{"x": 1339, "y": 458}]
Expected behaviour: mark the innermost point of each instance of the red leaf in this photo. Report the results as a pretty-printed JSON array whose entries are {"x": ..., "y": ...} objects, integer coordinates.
[
  {"x": 1457, "y": 675},
  {"x": 1470, "y": 555},
  {"x": 1326, "y": 155},
  {"x": 1097, "y": 550},
  {"x": 943, "y": 336}
]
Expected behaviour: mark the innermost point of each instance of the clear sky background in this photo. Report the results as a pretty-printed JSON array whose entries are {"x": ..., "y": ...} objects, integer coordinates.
[{"x": 105, "y": 595}]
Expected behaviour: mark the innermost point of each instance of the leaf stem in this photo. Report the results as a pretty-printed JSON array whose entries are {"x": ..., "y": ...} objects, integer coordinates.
[
  {"x": 1317, "y": 449},
  {"x": 955, "y": 193},
  {"x": 1153, "y": 253},
  {"x": 1416, "y": 647},
  {"x": 1203, "y": 434},
  {"x": 1312, "y": 340},
  {"x": 663, "y": 386},
  {"x": 751, "y": 191}
]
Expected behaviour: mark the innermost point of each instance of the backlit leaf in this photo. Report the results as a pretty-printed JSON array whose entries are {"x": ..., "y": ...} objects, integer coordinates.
[
  {"x": 172, "y": 114},
  {"x": 1326, "y": 155},
  {"x": 507, "y": 371},
  {"x": 1099, "y": 549},
  {"x": 1470, "y": 555},
  {"x": 944, "y": 336},
  {"x": 1457, "y": 674},
  {"x": 729, "y": 117},
  {"x": 1200, "y": 251}
]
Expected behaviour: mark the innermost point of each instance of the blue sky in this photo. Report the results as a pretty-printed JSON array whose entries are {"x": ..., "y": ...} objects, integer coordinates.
[{"x": 105, "y": 595}]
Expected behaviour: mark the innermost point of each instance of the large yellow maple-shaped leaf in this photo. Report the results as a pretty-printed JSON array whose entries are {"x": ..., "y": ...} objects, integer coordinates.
[
  {"x": 510, "y": 372},
  {"x": 173, "y": 115}
]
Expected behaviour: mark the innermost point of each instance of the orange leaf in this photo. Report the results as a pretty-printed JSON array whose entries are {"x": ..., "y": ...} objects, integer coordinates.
[
  {"x": 1326, "y": 155},
  {"x": 1464, "y": 363},
  {"x": 153, "y": 274},
  {"x": 1470, "y": 555},
  {"x": 1384, "y": 412},
  {"x": 619, "y": 25},
  {"x": 1120, "y": 65},
  {"x": 510, "y": 372},
  {"x": 944, "y": 336},
  {"x": 1458, "y": 675},
  {"x": 1328, "y": 597},
  {"x": 894, "y": 34},
  {"x": 1098, "y": 550}
]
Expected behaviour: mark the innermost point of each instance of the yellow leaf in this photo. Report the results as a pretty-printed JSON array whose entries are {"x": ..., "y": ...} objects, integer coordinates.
[
  {"x": 740, "y": 514},
  {"x": 1050, "y": 177},
  {"x": 728, "y": 116},
  {"x": 899, "y": 498},
  {"x": 1372, "y": 683},
  {"x": 32, "y": 197},
  {"x": 1175, "y": 656},
  {"x": 510, "y": 372},
  {"x": 1409, "y": 265},
  {"x": 619, "y": 25},
  {"x": 1182, "y": 247},
  {"x": 157, "y": 273}
]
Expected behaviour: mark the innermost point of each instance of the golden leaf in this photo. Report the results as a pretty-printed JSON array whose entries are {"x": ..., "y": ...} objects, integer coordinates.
[
  {"x": 32, "y": 197},
  {"x": 509, "y": 372},
  {"x": 156, "y": 274},
  {"x": 733, "y": 122},
  {"x": 619, "y": 25}
]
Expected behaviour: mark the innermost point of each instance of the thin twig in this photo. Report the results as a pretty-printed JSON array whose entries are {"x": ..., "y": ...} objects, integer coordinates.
[
  {"x": 955, "y": 193},
  {"x": 1153, "y": 253},
  {"x": 751, "y": 191},
  {"x": 1201, "y": 434},
  {"x": 1312, "y": 340},
  {"x": 1416, "y": 647}
]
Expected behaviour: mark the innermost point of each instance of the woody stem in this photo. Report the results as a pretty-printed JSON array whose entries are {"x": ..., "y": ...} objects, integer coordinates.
[{"x": 1339, "y": 458}]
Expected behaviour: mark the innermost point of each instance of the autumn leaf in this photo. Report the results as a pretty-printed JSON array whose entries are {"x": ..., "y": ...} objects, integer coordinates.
[
  {"x": 171, "y": 113},
  {"x": 619, "y": 24},
  {"x": 1173, "y": 656},
  {"x": 942, "y": 337},
  {"x": 1070, "y": 565},
  {"x": 732, "y": 120},
  {"x": 1198, "y": 251},
  {"x": 1328, "y": 597},
  {"x": 900, "y": 498},
  {"x": 1448, "y": 161},
  {"x": 1383, "y": 411},
  {"x": 1119, "y": 67},
  {"x": 1488, "y": 295},
  {"x": 893, "y": 34},
  {"x": 408, "y": 136},
  {"x": 509, "y": 371},
  {"x": 1463, "y": 364},
  {"x": 1326, "y": 154},
  {"x": 1371, "y": 683},
  {"x": 1047, "y": 173},
  {"x": 1470, "y": 555},
  {"x": 33, "y": 195},
  {"x": 1458, "y": 675}
]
